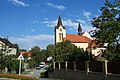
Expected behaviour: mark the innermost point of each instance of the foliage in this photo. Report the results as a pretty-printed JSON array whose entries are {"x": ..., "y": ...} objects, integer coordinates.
[
  {"x": 108, "y": 28},
  {"x": 31, "y": 63},
  {"x": 6, "y": 60},
  {"x": 35, "y": 50},
  {"x": 10, "y": 64},
  {"x": 50, "y": 50},
  {"x": 15, "y": 76},
  {"x": 38, "y": 56},
  {"x": 65, "y": 51}
]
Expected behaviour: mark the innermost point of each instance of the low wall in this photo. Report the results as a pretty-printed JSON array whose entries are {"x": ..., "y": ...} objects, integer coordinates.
[{"x": 84, "y": 71}]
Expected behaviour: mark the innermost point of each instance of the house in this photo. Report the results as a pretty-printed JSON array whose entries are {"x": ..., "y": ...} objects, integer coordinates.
[
  {"x": 26, "y": 53},
  {"x": 7, "y": 47},
  {"x": 81, "y": 40}
]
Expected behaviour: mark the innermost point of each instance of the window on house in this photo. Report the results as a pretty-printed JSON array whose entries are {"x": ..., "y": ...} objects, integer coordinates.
[{"x": 60, "y": 36}]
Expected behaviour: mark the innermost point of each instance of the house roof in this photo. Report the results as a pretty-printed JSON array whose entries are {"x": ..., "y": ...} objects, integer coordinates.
[
  {"x": 75, "y": 38},
  {"x": 25, "y": 52},
  {"x": 92, "y": 44},
  {"x": 59, "y": 23},
  {"x": 8, "y": 43}
]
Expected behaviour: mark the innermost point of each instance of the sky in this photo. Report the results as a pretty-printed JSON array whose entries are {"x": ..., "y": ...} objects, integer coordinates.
[{"x": 31, "y": 23}]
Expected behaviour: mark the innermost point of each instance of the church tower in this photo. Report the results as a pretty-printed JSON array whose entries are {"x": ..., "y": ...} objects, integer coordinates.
[
  {"x": 79, "y": 30},
  {"x": 60, "y": 31}
]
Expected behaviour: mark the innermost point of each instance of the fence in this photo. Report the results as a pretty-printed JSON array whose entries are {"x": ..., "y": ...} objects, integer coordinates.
[{"x": 90, "y": 70}]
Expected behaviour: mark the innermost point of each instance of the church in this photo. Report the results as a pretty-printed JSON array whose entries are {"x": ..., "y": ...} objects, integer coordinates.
[{"x": 81, "y": 40}]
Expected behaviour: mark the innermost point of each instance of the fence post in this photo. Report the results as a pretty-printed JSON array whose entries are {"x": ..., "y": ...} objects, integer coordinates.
[
  {"x": 54, "y": 65},
  {"x": 74, "y": 65},
  {"x": 87, "y": 67},
  {"x": 59, "y": 65},
  {"x": 105, "y": 69},
  {"x": 66, "y": 65}
]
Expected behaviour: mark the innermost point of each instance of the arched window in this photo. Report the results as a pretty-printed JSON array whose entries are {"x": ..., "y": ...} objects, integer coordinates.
[{"x": 60, "y": 36}]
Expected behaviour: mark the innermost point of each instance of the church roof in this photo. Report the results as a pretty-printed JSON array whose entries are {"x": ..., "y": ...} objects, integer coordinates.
[
  {"x": 59, "y": 23},
  {"x": 75, "y": 38}
]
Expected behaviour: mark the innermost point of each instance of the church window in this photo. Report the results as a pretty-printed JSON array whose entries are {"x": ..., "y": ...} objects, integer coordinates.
[{"x": 60, "y": 36}]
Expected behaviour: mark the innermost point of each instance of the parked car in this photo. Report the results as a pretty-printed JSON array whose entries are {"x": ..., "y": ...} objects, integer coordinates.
[
  {"x": 38, "y": 67},
  {"x": 42, "y": 64}
]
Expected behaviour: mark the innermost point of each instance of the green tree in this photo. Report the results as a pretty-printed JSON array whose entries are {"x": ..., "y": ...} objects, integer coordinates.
[
  {"x": 108, "y": 27},
  {"x": 65, "y": 51},
  {"x": 38, "y": 55},
  {"x": 50, "y": 50},
  {"x": 11, "y": 64}
]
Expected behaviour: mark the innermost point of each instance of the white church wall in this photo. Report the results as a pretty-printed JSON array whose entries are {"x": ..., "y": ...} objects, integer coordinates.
[{"x": 81, "y": 45}]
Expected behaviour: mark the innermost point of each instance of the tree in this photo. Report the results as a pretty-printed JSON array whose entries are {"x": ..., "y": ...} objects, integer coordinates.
[
  {"x": 11, "y": 64},
  {"x": 65, "y": 51},
  {"x": 38, "y": 56},
  {"x": 35, "y": 50},
  {"x": 50, "y": 49},
  {"x": 108, "y": 27}
]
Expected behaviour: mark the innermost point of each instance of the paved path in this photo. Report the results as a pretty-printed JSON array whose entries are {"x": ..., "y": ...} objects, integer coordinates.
[{"x": 36, "y": 73}]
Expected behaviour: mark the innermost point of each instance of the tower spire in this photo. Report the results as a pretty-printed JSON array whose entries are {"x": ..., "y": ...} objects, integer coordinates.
[
  {"x": 79, "y": 29},
  {"x": 59, "y": 21}
]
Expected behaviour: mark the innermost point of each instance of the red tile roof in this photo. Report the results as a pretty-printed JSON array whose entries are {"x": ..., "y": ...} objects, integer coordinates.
[
  {"x": 24, "y": 52},
  {"x": 75, "y": 38},
  {"x": 92, "y": 44}
]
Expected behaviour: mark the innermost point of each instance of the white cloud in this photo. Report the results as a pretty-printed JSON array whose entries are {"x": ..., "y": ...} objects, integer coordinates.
[
  {"x": 35, "y": 22},
  {"x": 26, "y": 42},
  {"x": 86, "y": 14},
  {"x": 33, "y": 30},
  {"x": 19, "y": 3},
  {"x": 60, "y": 7},
  {"x": 81, "y": 21},
  {"x": 51, "y": 23},
  {"x": 71, "y": 24},
  {"x": 68, "y": 23}
]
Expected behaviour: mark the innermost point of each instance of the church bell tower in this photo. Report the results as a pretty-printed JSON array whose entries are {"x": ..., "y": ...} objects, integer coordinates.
[{"x": 60, "y": 31}]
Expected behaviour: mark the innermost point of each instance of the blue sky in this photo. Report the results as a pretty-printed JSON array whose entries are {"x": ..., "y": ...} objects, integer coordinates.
[{"x": 31, "y": 22}]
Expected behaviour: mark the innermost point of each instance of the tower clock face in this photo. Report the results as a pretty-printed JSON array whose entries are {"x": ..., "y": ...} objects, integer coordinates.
[{"x": 60, "y": 29}]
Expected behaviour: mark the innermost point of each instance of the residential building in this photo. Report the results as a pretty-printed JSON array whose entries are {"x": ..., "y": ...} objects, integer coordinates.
[{"x": 7, "y": 47}]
